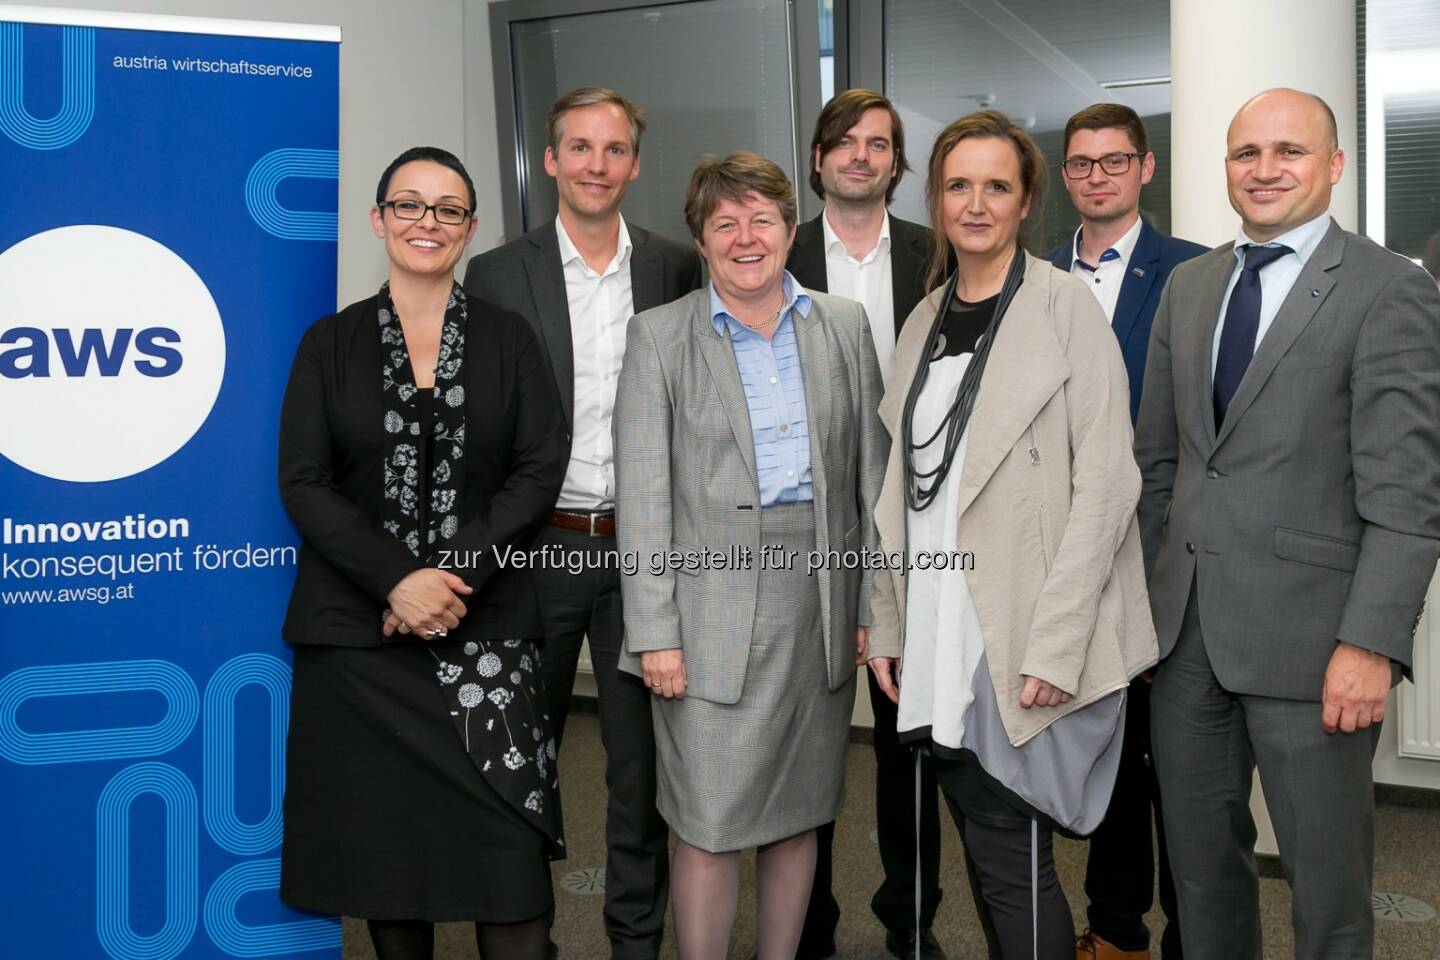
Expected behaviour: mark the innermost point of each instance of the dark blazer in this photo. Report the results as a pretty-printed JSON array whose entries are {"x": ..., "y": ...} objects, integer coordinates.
[
  {"x": 332, "y": 450},
  {"x": 1313, "y": 513},
  {"x": 526, "y": 277},
  {"x": 910, "y": 246},
  {"x": 1154, "y": 256}
]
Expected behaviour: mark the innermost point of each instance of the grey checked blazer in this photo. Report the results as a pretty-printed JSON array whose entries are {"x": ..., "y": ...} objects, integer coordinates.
[
  {"x": 686, "y": 480},
  {"x": 1313, "y": 514}
]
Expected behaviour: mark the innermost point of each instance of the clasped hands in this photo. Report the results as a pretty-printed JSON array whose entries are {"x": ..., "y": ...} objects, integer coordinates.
[
  {"x": 426, "y": 603},
  {"x": 1036, "y": 692}
]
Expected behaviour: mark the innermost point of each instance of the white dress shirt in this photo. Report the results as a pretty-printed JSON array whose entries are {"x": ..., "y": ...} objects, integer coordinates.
[
  {"x": 867, "y": 280},
  {"x": 1276, "y": 279},
  {"x": 601, "y": 305},
  {"x": 1106, "y": 277}
]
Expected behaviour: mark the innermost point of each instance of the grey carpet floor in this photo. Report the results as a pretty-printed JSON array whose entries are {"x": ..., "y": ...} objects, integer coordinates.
[{"x": 1407, "y": 871}]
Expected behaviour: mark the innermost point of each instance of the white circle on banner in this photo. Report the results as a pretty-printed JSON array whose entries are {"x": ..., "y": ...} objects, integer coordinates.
[{"x": 111, "y": 353}]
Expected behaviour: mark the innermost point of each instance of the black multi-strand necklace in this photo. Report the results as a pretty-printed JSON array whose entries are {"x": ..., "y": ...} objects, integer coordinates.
[{"x": 921, "y": 487}]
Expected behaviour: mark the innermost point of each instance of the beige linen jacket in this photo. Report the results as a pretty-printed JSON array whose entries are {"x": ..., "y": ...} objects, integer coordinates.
[{"x": 1047, "y": 503}]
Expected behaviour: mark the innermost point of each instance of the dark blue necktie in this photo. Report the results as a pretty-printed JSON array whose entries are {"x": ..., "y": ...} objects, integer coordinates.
[{"x": 1242, "y": 321}]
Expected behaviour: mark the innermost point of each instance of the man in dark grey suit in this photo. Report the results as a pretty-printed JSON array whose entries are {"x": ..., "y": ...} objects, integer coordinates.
[
  {"x": 579, "y": 280},
  {"x": 1289, "y": 440},
  {"x": 857, "y": 250}
]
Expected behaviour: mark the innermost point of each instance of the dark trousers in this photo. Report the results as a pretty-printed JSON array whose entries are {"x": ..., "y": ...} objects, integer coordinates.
[
  {"x": 1318, "y": 787},
  {"x": 998, "y": 861},
  {"x": 637, "y": 867},
  {"x": 894, "y": 901},
  {"x": 1120, "y": 874}
]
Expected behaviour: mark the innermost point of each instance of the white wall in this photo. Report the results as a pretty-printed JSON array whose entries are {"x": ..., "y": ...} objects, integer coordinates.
[
  {"x": 389, "y": 99},
  {"x": 482, "y": 152},
  {"x": 1307, "y": 44}
]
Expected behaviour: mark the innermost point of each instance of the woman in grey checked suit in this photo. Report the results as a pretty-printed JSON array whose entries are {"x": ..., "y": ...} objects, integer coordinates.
[{"x": 748, "y": 459}]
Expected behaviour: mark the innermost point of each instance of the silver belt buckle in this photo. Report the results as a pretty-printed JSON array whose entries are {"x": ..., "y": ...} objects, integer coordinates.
[{"x": 593, "y": 515}]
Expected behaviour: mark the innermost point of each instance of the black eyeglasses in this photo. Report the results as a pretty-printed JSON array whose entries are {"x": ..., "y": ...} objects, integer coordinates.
[
  {"x": 407, "y": 209},
  {"x": 1078, "y": 168}
]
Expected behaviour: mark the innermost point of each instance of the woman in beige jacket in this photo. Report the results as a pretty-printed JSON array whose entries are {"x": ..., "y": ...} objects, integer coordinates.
[{"x": 1020, "y": 613}]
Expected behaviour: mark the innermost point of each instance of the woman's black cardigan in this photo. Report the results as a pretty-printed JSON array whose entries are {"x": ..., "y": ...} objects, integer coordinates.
[{"x": 331, "y": 464}]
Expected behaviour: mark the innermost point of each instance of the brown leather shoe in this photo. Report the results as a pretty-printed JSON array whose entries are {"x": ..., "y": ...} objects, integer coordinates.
[{"x": 1092, "y": 946}]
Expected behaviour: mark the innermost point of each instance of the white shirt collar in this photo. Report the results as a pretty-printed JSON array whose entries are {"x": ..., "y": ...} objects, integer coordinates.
[
  {"x": 1302, "y": 239},
  {"x": 1125, "y": 246},
  {"x": 569, "y": 253},
  {"x": 833, "y": 243}
]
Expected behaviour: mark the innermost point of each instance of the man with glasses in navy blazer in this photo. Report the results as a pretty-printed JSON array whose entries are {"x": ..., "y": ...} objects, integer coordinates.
[{"x": 1125, "y": 262}]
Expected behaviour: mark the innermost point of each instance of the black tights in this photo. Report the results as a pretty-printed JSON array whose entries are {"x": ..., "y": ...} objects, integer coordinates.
[{"x": 415, "y": 939}]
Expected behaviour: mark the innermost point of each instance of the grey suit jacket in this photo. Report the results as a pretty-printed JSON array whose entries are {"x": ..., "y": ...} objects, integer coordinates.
[
  {"x": 1313, "y": 514},
  {"x": 526, "y": 277},
  {"x": 686, "y": 480}
]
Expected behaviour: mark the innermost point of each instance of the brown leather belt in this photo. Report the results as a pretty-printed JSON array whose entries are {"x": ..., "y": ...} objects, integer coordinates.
[{"x": 595, "y": 524}]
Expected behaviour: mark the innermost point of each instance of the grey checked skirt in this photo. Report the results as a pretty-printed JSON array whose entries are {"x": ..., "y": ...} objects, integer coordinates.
[{"x": 733, "y": 776}]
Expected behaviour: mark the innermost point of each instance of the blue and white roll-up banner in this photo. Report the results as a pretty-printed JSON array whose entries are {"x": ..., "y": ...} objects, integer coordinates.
[{"x": 167, "y": 232}]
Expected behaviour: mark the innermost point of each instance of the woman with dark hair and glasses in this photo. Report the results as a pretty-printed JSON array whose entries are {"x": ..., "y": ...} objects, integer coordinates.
[
  {"x": 420, "y": 440},
  {"x": 1012, "y": 490}
]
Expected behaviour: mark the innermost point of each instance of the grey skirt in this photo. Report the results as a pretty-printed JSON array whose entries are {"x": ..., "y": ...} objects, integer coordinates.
[{"x": 733, "y": 776}]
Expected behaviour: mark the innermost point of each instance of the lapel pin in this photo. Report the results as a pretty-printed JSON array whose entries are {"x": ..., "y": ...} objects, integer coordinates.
[
  {"x": 1138, "y": 271},
  {"x": 1314, "y": 293}
]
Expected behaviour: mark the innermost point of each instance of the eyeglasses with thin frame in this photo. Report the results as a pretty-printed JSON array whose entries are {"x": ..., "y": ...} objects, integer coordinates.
[
  {"x": 409, "y": 209},
  {"x": 1078, "y": 168}
]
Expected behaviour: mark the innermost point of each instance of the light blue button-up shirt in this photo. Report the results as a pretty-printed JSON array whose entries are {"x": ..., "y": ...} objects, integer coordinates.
[
  {"x": 1276, "y": 279},
  {"x": 775, "y": 393}
]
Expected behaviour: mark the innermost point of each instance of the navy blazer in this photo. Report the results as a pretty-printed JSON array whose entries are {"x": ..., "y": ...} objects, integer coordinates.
[{"x": 1154, "y": 256}]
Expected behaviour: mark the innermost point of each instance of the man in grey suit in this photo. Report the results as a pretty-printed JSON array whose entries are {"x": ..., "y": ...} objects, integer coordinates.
[
  {"x": 578, "y": 280},
  {"x": 1289, "y": 440}
]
